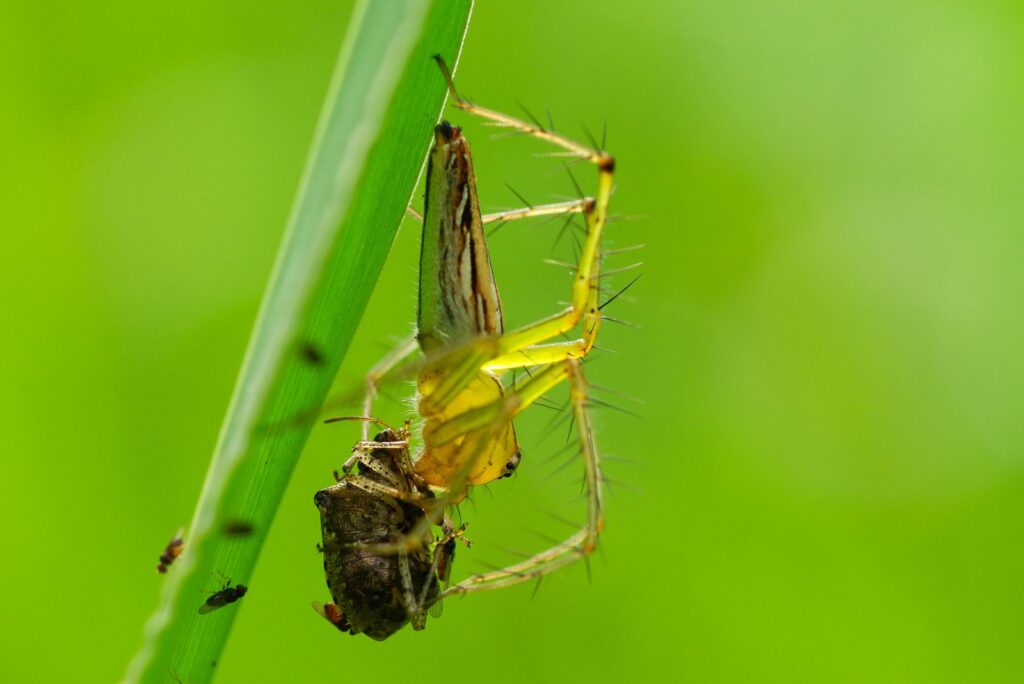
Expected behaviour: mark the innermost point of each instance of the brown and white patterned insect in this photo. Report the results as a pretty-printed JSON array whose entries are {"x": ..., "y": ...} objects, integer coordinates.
[{"x": 378, "y": 593}]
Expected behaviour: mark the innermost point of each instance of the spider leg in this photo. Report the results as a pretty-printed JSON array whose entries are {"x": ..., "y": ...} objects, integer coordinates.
[
  {"x": 482, "y": 423},
  {"x": 371, "y": 382},
  {"x": 579, "y": 545},
  {"x": 571, "y": 207}
]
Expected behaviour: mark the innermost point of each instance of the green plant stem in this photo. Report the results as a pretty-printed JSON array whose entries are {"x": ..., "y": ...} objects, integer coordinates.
[{"x": 369, "y": 148}]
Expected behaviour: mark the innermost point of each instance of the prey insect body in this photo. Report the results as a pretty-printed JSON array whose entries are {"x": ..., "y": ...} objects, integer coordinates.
[{"x": 378, "y": 593}]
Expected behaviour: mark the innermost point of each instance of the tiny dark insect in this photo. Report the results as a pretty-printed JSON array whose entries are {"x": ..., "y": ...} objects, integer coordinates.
[
  {"x": 311, "y": 354},
  {"x": 173, "y": 550},
  {"x": 375, "y": 593},
  {"x": 229, "y": 594},
  {"x": 238, "y": 528}
]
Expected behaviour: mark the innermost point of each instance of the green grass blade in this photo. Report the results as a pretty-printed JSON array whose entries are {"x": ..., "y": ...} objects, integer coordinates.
[{"x": 370, "y": 144}]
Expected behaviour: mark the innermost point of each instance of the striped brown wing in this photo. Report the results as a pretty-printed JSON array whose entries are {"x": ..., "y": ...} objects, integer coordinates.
[{"x": 458, "y": 295}]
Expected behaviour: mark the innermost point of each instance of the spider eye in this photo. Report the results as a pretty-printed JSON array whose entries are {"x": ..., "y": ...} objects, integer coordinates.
[{"x": 512, "y": 463}]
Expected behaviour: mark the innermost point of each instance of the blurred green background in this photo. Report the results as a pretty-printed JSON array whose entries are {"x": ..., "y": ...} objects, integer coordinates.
[{"x": 826, "y": 481}]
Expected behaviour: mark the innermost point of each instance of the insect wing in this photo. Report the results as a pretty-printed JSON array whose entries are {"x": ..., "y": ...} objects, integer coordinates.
[
  {"x": 458, "y": 298},
  {"x": 210, "y": 606}
]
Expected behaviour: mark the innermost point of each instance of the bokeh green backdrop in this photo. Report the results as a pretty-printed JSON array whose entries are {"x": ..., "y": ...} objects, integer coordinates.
[{"x": 827, "y": 481}]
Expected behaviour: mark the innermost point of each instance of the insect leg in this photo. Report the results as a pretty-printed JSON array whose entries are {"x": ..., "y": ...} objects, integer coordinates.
[
  {"x": 361, "y": 455},
  {"x": 413, "y": 608},
  {"x": 388, "y": 491}
]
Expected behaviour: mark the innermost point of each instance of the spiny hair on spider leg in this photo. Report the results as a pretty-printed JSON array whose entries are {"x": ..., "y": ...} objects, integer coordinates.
[
  {"x": 599, "y": 403},
  {"x": 519, "y": 196},
  {"x": 619, "y": 293},
  {"x": 492, "y": 566},
  {"x": 561, "y": 264},
  {"x": 497, "y": 226},
  {"x": 607, "y": 350},
  {"x": 553, "y": 463},
  {"x": 623, "y": 250},
  {"x": 579, "y": 190},
  {"x": 620, "y": 321},
  {"x": 612, "y": 458},
  {"x": 541, "y": 223},
  {"x": 621, "y": 218},
  {"x": 617, "y": 392},
  {"x": 543, "y": 402},
  {"x": 572, "y": 424},
  {"x": 518, "y": 553},
  {"x": 570, "y": 222},
  {"x": 609, "y": 482},
  {"x": 510, "y": 133},
  {"x": 590, "y": 137},
  {"x": 531, "y": 117},
  {"x": 556, "y": 422},
  {"x": 557, "y": 460},
  {"x": 584, "y": 492},
  {"x": 536, "y": 587},
  {"x": 543, "y": 536},
  {"x": 573, "y": 458},
  {"x": 615, "y": 271},
  {"x": 577, "y": 246},
  {"x": 557, "y": 517}
]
